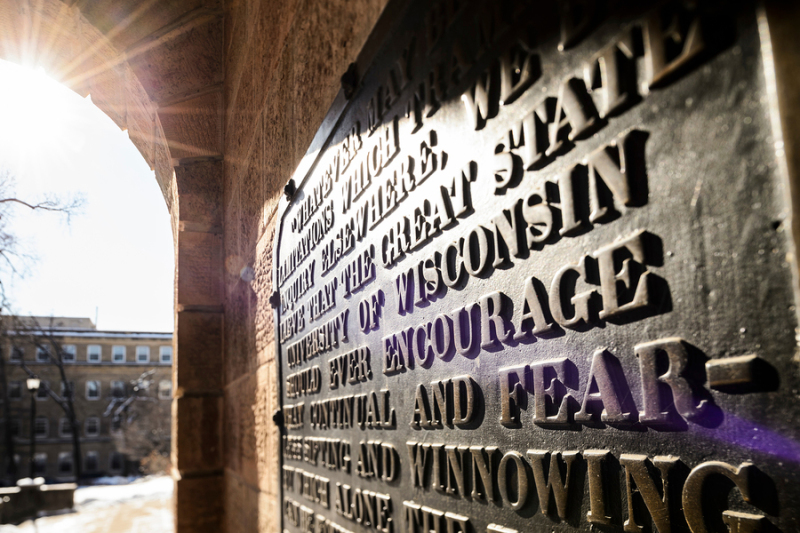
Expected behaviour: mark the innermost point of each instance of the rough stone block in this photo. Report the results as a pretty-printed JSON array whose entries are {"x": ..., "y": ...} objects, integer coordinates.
[
  {"x": 241, "y": 405},
  {"x": 269, "y": 513},
  {"x": 241, "y": 505},
  {"x": 327, "y": 37},
  {"x": 279, "y": 148},
  {"x": 98, "y": 53},
  {"x": 194, "y": 127},
  {"x": 199, "y": 269},
  {"x": 197, "y": 424},
  {"x": 267, "y": 436},
  {"x": 230, "y": 434},
  {"x": 198, "y": 365},
  {"x": 140, "y": 120},
  {"x": 238, "y": 14},
  {"x": 165, "y": 173},
  {"x": 240, "y": 354},
  {"x": 274, "y": 20},
  {"x": 231, "y": 228},
  {"x": 113, "y": 17},
  {"x": 200, "y": 192},
  {"x": 265, "y": 314},
  {"x": 240, "y": 117},
  {"x": 188, "y": 62},
  {"x": 107, "y": 88},
  {"x": 198, "y": 506},
  {"x": 252, "y": 196}
]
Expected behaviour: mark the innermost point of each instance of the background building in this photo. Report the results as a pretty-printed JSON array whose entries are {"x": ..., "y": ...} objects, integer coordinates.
[{"x": 121, "y": 386}]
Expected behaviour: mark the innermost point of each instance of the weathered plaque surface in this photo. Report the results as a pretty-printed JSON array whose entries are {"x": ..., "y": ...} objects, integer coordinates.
[{"x": 540, "y": 278}]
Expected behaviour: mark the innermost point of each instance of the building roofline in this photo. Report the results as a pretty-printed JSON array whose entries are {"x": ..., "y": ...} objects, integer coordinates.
[
  {"x": 92, "y": 333},
  {"x": 65, "y": 326}
]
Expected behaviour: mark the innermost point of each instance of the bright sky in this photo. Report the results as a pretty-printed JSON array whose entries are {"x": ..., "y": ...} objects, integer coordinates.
[{"x": 116, "y": 254}]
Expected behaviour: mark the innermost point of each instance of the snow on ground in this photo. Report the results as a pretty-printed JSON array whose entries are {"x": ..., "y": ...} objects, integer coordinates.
[{"x": 142, "y": 506}]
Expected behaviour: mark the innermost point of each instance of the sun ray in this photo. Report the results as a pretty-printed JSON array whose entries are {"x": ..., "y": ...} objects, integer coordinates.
[
  {"x": 95, "y": 47},
  {"x": 37, "y": 118}
]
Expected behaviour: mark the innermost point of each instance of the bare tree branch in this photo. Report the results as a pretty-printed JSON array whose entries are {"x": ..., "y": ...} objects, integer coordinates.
[
  {"x": 142, "y": 427},
  {"x": 44, "y": 339},
  {"x": 9, "y": 245},
  {"x": 46, "y": 205},
  {"x": 14, "y": 261},
  {"x": 62, "y": 403}
]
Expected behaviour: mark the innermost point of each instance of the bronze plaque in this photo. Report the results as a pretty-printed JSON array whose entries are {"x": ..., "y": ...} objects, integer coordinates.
[{"x": 538, "y": 276}]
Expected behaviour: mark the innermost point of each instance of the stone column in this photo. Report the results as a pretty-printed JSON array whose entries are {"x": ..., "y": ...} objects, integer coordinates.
[{"x": 197, "y": 406}]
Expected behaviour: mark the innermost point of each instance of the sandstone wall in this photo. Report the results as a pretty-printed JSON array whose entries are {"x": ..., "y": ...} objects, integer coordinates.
[
  {"x": 283, "y": 64},
  {"x": 222, "y": 98}
]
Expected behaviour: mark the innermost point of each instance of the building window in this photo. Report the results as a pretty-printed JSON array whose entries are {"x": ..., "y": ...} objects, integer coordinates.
[
  {"x": 115, "y": 462},
  {"x": 93, "y": 353},
  {"x": 67, "y": 389},
  {"x": 16, "y": 427},
  {"x": 92, "y": 426},
  {"x": 15, "y": 390},
  {"x": 41, "y": 392},
  {"x": 9, "y": 466},
  {"x": 41, "y": 427},
  {"x": 40, "y": 464},
  {"x": 142, "y": 354},
  {"x": 42, "y": 354},
  {"x": 69, "y": 353},
  {"x": 92, "y": 390},
  {"x": 65, "y": 463},
  {"x": 90, "y": 462},
  {"x": 165, "y": 389},
  {"x": 118, "y": 354},
  {"x": 64, "y": 427},
  {"x": 118, "y": 389},
  {"x": 17, "y": 353},
  {"x": 165, "y": 353}
]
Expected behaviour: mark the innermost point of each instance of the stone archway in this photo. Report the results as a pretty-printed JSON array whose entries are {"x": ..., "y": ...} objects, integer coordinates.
[
  {"x": 156, "y": 68},
  {"x": 191, "y": 80}
]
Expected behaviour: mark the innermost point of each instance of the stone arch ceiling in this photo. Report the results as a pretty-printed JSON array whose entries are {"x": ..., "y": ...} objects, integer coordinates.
[{"x": 154, "y": 66}]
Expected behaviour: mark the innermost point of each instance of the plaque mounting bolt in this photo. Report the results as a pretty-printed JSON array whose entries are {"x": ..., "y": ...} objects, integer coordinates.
[
  {"x": 274, "y": 299},
  {"x": 277, "y": 417},
  {"x": 289, "y": 189},
  {"x": 349, "y": 81}
]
